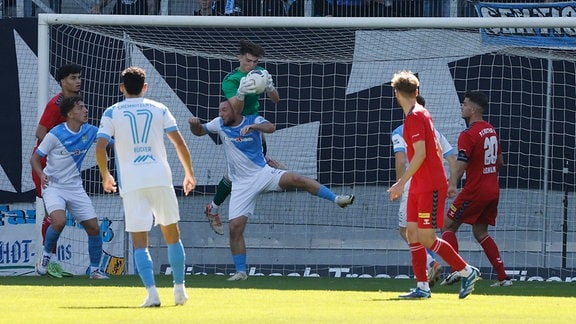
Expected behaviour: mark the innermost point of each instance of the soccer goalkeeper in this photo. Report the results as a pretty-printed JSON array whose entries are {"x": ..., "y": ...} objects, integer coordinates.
[{"x": 242, "y": 97}]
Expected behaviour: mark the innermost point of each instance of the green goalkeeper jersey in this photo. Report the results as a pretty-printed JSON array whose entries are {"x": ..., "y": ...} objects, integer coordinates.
[{"x": 230, "y": 86}]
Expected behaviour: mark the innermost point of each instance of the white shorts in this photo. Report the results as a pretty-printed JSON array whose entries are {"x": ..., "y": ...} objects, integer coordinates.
[
  {"x": 73, "y": 200},
  {"x": 144, "y": 208},
  {"x": 244, "y": 193},
  {"x": 403, "y": 206}
]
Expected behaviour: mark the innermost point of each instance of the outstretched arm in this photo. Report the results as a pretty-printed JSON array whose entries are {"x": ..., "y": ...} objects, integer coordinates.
[
  {"x": 266, "y": 127},
  {"x": 196, "y": 127}
]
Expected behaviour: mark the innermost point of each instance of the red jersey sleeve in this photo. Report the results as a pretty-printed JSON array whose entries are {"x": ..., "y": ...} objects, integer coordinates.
[{"x": 51, "y": 115}]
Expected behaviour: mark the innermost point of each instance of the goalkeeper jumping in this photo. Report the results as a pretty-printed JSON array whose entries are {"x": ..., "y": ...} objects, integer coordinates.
[{"x": 241, "y": 94}]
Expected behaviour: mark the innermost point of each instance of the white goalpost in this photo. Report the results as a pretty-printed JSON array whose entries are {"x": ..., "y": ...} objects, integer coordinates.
[{"x": 334, "y": 123}]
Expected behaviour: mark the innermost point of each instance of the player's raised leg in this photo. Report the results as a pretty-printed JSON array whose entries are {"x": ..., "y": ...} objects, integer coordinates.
[{"x": 293, "y": 180}]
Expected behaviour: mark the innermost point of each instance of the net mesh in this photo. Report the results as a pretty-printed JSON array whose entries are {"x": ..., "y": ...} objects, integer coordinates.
[{"x": 334, "y": 123}]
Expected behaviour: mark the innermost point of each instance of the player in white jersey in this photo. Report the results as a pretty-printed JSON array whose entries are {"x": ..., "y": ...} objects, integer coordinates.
[
  {"x": 401, "y": 163},
  {"x": 250, "y": 174},
  {"x": 138, "y": 126},
  {"x": 65, "y": 147}
]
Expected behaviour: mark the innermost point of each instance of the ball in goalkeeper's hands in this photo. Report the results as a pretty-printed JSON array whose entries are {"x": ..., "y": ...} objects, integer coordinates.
[{"x": 259, "y": 79}]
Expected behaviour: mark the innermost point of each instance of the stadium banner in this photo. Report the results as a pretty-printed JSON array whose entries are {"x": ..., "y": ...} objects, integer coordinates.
[
  {"x": 529, "y": 37},
  {"x": 21, "y": 242},
  {"x": 351, "y": 271}
]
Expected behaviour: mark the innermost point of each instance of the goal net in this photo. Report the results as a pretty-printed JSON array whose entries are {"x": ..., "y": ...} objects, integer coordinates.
[{"x": 334, "y": 123}]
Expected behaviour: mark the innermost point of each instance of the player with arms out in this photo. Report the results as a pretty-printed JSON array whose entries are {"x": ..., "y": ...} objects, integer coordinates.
[
  {"x": 427, "y": 193},
  {"x": 243, "y": 98},
  {"x": 480, "y": 157},
  {"x": 401, "y": 163},
  {"x": 65, "y": 147},
  {"x": 69, "y": 78},
  {"x": 251, "y": 174},
  {"x": 138, "y": 126}
]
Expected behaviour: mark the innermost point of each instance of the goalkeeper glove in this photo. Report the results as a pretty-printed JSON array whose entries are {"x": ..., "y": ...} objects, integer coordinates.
[
  {"x": 270, "y": 84},
  {"x": 246, "y": 87}
]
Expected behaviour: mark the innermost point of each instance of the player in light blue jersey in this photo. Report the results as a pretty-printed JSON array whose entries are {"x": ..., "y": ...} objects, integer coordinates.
[
  {"x": 401, "y": 163},
  {"x": 138, "y": 126},
  {"x": 251, "y": 175},
  {"x": 65, "y": 147}
]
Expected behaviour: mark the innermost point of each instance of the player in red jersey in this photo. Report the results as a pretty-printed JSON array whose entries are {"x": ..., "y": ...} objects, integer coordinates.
[
  {"x": 480, "y": 156},
  {"x": 427, "y": 193},
  {"x": 68, "y": 76}
]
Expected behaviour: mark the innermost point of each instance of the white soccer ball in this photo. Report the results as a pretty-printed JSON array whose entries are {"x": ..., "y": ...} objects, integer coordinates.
[{"x": 260, "y": 79}]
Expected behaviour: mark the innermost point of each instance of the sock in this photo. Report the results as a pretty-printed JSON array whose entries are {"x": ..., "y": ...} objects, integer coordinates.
[
  {"x": 152, "y": 291},
  {"x": 466, "y": 271},
  {"x": 450, "y": 238},
  {"x": 145, "y": 267},
  {"x": 222, "y": 191},
  {"x": 45, "y": 224},
  {"x": 239, "y": 262},
  {"x": 418, "y": 253},
  {"x": 95, "y": 251},
  {"x": 177, "y": 257},
  {"x": 429, "y": 258},
  {"x": 491, "y": 251},
  {"x": 423, "y": 285},
  {"x": 51, "y": 239},
  {"x": 326, "y": 193},
  {"x": 447, "y": 253}
]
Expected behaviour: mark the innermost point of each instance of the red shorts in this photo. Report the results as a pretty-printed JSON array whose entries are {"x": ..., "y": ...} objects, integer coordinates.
[
  {"x": 427, "y": 209},
  {"x": 473, "y": 211}
]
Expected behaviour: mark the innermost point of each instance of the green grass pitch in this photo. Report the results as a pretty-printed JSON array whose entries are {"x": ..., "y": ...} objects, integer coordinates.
[{"x": 34, "y": 299}]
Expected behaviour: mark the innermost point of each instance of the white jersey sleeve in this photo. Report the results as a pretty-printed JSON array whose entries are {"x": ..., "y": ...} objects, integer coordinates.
[
  {"x": 447, "y": 149},
  {"x": 398, "y": 143}
]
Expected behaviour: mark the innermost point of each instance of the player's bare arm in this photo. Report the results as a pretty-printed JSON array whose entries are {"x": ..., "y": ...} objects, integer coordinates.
[
  {"x": 396, "y": 190},
  {"x": 41, "y": 131},
  {"x": 108, "y": 181},
  {"x": 499, "y": 162},
  {"x": 400, "y": 164},
  {"x": 37, "y": 167},
  {"x": 189, "y": 182},
  {"x": 456, "y": 174},
  {"x": 271, "y": 90},
  {"x": 263, "y": 127},
  {"x": 196, "y": 127}
]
